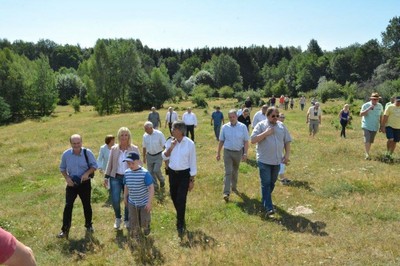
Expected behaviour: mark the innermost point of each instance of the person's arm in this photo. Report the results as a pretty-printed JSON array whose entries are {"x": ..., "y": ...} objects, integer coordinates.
[
  {"x": 220, "y": 145},
  {"x": 365, "y": 112},
  {"x": 144, "y": 154},
  {"x": 126, "y": 195},
  {"x": 246, "y": 147},
  {"x": 383, "y": 120},
  {"x": 287, "y": 153},
  {"x": 23, "y": 255},
  {"x": 257, "y": 137},
  {"x": 340, "y": 114},
  {"x": 68, "y": 179},
  {"x": 211, "y": 122},
  {"x": 308, "y": 116},
  {"x": 151, "y": 196}
]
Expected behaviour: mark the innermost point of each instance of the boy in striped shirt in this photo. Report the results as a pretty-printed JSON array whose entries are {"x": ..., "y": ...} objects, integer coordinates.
[{"x": 138, "y": 195}]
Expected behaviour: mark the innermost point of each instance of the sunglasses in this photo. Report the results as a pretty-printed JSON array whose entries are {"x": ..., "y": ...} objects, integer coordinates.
[{"x": 274, "y": 116}]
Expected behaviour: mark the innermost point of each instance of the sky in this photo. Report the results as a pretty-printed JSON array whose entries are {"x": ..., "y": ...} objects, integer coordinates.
[{"x": 179, "y": 24}]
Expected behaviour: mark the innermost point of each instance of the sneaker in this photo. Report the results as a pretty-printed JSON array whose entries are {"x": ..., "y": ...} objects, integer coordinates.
[
  {"x": 226, "y": 197},
  {"x": 63, "y": 234},
  {"x": 117, "y": 223},
  {"x": 270, "y": 213},
  {"x": 285, "y": 181},
  {"x": 126, "y": 224},
  {"x": 367, "y": 157}
]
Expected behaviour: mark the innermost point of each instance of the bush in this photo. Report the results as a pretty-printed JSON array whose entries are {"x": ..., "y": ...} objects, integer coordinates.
[
  {"x": 204, "y": 89},
  {"x": 226, "y": 92},
  {"x": 200, "y": 100},
  {"x": 5, "y": 111},
  {"x": 328, "y": 90},
  {"x": 75, "y": 103},
  {"x": 255, "y": 96}
]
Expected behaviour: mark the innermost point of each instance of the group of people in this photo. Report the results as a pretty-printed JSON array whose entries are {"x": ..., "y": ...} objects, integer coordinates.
[{"x": 386, "y": 120}]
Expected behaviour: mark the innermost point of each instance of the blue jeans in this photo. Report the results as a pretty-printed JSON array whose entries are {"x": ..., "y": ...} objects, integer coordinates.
[
  {"x": 217, "y": 129},
  {"x": 268, "y": 177},
  {"x": 116, "y": 188}
]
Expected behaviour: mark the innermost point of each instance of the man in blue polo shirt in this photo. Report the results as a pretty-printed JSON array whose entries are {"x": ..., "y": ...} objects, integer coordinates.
[
  {"x": 77, "y": 165},
  {"x": 217, "y": 118}
]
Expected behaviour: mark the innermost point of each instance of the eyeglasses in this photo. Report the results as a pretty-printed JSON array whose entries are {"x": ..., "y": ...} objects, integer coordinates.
[{"x": 274, "y": 116}]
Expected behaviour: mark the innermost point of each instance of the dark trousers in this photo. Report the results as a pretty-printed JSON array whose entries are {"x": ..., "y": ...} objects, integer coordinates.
[
  {"x": 170, "y": 127},
  {"x": 178, "y": 188},
  {"x": 84, "y": 193},
  {"x": 343, "y": 123},
  {"x": 190, "y": 128}
]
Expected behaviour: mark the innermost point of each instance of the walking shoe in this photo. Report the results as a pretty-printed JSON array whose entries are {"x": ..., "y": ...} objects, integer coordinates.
[
  {"x": 226, "y": 197},
  {"x": 367, "y": 157},
  {"x": 285, "y": 181},
  {"x": 126, "y": 224},
  {"x": 63, "y": 234},
  {"x": 90, "y": 229},
  {"x": 117, "y": 223},
  {"x": 270, "y": 213}
]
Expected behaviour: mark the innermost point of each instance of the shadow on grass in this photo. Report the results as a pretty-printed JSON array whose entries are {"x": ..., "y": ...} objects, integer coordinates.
[
  {"x": 81, "y": 247},
  {"x": 120, "y": 238},
  {"x": 160, "y": 195},
  {"x": 252, "y": 163},
  {"x": 386, "y": 159},
  {"x": 197, "y": 238},
  {"x": 291, "y": 222},
  {"x": 300, "y": 184},
  {"x": 145, "y": 252}
]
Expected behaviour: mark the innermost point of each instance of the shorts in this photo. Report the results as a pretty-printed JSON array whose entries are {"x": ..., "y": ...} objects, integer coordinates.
[
  {"x": 8, "y": 244},
  {"x": 369, "y": 136},
  {"x": 393, "y": 133}
]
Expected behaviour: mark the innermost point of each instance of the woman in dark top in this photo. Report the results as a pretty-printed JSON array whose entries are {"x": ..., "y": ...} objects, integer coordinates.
[
  {"x": 245, "y": 117},
  {"x": 344, "y": 116}
]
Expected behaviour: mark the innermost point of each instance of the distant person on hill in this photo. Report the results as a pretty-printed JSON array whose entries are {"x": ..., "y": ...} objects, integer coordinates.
[
  {"x": 271, "y": 137},
  {"x": 314, "y": 118},
  {"x": 371, "y": 113},
  {"x": 180, "y": 151},
  {"x": 282, "y": 101},
  {"x": 260, "y": 115},
  {"x": 248, "y": 103},
  {"x": 391, "y": 126},
  {"x": 245, "y": 118},
  {"x": 286, "y": 99},
  {"x": 77, "y": 165},
  {"x": 272, "y": 101},
  {"x": 190, "y": 120},
  {"x": 302, "y": 102},
  {"x": 115, "y": 173},
  {"x": 170, "y": 117},
  {"x": 13, "y": 252},
  {"x": 291, "y": 103},
  {"x": 154, "y": 118},
  {"x": 217, "y": 119},
  {"x": 138, "y": 195},
  {"x": 234, "y": 138},
  {"x": 344, "y": 117},
  {"x": 153, "y": 145}
]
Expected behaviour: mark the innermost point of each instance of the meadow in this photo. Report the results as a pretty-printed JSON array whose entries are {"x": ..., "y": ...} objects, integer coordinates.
[{"x": 353, "y": 205}]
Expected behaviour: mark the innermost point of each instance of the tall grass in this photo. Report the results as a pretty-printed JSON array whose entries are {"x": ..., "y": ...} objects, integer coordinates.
[{"x": 355, "y": 203}]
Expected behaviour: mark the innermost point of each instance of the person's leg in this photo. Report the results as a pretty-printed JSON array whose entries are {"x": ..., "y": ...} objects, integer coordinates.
[
  {"x": 84, "y": 192},
  {"x": 182, "y": 190},
  {"x": 173, "y": 187},
  {"x": 228, "y": 163},
  {"x": 151, "y": 164},
  {"x": 115, "y": 188},
  {"x": 145, "y": 220},
  {"x": 265, "y": 181},
  {"x": 70, "y": 196},
  {"x": 157, "y": 169},
  {"x": 134, "y": 221},
  {"x": 236, "y": 158}
]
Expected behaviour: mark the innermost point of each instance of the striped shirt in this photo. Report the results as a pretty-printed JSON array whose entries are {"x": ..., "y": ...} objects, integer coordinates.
[{"x": 138, "y": 182}]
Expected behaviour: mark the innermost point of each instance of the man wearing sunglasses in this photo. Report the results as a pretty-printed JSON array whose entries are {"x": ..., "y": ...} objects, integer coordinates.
[{"x": 271, "y": 137}]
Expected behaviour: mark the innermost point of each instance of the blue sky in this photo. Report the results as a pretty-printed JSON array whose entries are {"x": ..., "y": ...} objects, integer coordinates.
[{"x": 179, "y": 24}]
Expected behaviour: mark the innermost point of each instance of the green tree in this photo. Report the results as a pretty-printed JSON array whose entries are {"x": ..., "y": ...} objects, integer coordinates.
[
  {"x": 226, "y": 71},
  {"x": 160, "y": 87},
  {"x": 391, "y": 37},
  {"x": 314, "y": 48},
  {"x": 5, "y": 112},
  {"x": 68, "y": 86}
]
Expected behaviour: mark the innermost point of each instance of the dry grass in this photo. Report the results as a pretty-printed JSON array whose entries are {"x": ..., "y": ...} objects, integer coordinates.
[{"x": 355, "y": 203}]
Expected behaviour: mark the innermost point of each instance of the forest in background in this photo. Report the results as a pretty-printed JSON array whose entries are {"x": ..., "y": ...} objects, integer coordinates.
[{"x": 123, "y": 75}]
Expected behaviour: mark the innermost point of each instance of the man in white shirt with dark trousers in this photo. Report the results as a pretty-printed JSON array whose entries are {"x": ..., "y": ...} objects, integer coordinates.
[{"x": 190, "y": 120}]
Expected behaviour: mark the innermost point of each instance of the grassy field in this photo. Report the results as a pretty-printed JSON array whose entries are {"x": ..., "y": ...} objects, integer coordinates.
[{"x": 355, "y": 203}]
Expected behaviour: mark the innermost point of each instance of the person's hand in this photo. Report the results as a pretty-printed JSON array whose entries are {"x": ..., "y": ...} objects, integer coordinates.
[
  {"x": 144, "y": 159},
  {"x": 148, "y": 207},
  {"x": 106, "y": 182},
  {"x": 269, "y": 131},
  {"x": 285, "y": 160},
  {"x": 218, "y": 157},
  {"x": 69, "y": 181},
  {"x": 85, "y": 177},
  {"x": 191, "y": 185},
  {"x": 244, "y": 157}
]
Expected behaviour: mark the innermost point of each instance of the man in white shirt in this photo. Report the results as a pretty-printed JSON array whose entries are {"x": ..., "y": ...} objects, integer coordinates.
[
  {"x": 182, "y": 169},
  {"x": 314, "y": 114},
  {"x": 170, "y": 118},
  {"x": 190, "y": 120},
  {"x": 260, "y": 115},
  {"x": 153, "y": 145}
]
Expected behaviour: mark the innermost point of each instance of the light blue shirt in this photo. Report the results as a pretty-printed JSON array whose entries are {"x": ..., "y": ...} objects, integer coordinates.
[
  {"x": 371, "y": 120},
  {"x": 102, "y": 160},
  {"x": 269, "y": 150},
  {"x": 75, "y": 165},
  {"x": 234, "y": 136}
]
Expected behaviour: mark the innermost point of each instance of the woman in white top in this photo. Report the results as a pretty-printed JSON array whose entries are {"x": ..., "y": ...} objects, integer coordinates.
[{"x": 115, "y": 173}]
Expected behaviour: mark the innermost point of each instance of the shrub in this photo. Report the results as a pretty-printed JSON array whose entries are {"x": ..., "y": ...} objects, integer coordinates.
[
  {"x": 203, "y": 89},
  {"x": 75, "y": 103},
  {"x": 5, "y": 111},
  {"x": 200, "y": 100},
  {"x": 226, "y": 92}
]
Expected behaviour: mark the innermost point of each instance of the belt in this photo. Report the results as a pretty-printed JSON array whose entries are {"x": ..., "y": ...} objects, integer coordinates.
[
  {"x": 118, "y": 175},
  {"x": 233, "y": 150},
  {"x": 179, "y": 171},
  {"x": 154, "y": 154}
]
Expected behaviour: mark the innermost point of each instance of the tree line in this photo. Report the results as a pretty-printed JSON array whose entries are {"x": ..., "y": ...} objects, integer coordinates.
[{"x": 121, "y": 75}]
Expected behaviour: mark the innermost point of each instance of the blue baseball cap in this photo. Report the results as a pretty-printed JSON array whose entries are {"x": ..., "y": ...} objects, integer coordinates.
[{"x": 131, "y": 157}]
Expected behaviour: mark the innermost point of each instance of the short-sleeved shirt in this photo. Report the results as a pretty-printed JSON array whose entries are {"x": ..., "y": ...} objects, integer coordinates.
[
  {"x": 371, "y": 120},
  {"x": 258, "y": 117},
  {"x": 234, "y": 136},
  {"x": 154, "y": 142},
  {"x": 154, "y": 118},
  {"x": 269, "y": 150},
  {"x": 76, "y": 165},
  {"x": 137, "y": 182},
  {"x": 314, "y": 114},
  {"x": 393, "y": 114},
  {"x": 217, "y": 116},
  {"x": 8, "y": 244}
]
